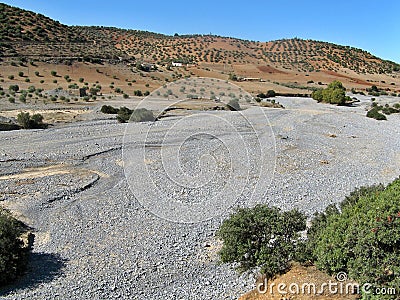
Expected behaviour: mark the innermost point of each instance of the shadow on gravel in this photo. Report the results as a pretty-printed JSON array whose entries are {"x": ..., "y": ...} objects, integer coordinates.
[{"x": 42, "y": 268}]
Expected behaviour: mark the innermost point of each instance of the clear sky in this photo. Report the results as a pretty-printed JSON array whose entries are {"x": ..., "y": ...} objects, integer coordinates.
[{"x": 371, "y": 25}]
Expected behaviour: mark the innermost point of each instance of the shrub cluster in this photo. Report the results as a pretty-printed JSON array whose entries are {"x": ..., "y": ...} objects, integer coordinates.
[
  {"x": 360, "y": 236},
  {"x": 378, "y": 112},
  {"x": 375, "y": 91},
  {"x": 125, "y": 114},
  {"x": 108, "y": 109},
  {"x": 26, "y": 121},
  {"x": 269, "y": 94},
  {"x": 335, "y": 93}
]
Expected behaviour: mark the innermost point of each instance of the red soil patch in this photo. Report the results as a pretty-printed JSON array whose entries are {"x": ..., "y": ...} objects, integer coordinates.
[
  {"x": 269, "y": 69},
  {"x": 299, "y": 276},
  {"x": 355, "y": 80}
]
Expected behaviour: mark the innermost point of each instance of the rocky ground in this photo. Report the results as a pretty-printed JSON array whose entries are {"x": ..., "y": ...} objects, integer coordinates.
[{"x": 131, "y": 211}]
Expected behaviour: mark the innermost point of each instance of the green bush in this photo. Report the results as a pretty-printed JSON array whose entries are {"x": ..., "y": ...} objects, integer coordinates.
[
  {"x": 124, "y": 114},
  {"x": 27, "y": 121},
  {"x": 14, "y": 88},
  {"x": 108, "y": 109},
  {"x": 335, "y": 93},
  {"x": 138, "y": 93},
  {"x": 142, "y": 115},
  {"x": 262, "y": 237},
  {"x": 13, "y": 253},
  {"x": 375, "y": 114},
  {"x": 271, "y": 93},
  {"x": 362, "y": 238}
]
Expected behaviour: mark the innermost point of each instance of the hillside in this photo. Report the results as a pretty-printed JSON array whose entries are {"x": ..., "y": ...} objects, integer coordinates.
[{"x": 295, "y": 63}]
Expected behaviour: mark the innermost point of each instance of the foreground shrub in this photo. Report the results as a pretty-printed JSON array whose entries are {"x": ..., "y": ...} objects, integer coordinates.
[
  {"x": 261, "y": 237},
  {"x": 362, "y": 239},
  {"x": 13, "y": 253},
  {"x": 30, "y": 122}
]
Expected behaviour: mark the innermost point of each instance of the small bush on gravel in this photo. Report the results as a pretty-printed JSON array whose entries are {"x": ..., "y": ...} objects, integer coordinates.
[
  {"x": 375, "y": 114},
  {"x": 108, "y": 109},
  {"x": 13, "y": 253},
  {"x": 262, "y": 237},
  {"x": 142, "y": 115},
  {"x": 362, "y": 238},
  {"x": 124, "y": 114},
  {"x": 30, "y": 122},
  {"x": 334, "y": 94}
]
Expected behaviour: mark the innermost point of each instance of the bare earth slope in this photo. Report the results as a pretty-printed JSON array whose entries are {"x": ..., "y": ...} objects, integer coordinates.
[{"x": 303, "y": 63}]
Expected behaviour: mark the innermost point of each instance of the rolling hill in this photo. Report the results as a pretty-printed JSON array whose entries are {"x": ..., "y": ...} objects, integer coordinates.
[{"x": 295, "y": 61}]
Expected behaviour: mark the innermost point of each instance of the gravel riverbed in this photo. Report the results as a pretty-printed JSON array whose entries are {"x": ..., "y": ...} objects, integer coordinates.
[{"x": 130, "y": 211}]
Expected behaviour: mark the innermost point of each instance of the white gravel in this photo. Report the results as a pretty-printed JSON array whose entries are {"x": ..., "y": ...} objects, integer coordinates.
[{"x": 95, "y": 239}]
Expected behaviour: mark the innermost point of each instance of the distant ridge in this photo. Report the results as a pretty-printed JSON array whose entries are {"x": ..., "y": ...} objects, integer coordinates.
[{"x": 28, "y": 34}]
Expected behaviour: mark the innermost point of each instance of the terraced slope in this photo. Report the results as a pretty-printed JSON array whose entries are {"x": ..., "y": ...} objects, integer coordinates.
[{"x": 25, "y": 33}]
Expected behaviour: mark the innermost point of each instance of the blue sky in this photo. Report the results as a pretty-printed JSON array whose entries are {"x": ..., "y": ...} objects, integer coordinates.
[{"x": 371, "y": 25}]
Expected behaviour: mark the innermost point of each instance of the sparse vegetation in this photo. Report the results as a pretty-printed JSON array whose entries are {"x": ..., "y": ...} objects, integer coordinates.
[
  {"x": 378, "y": 112},
  {"x": 125, "y": 114},
  {"x": 269, "y": 94},
  {"x": 27, "y": 121}
]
